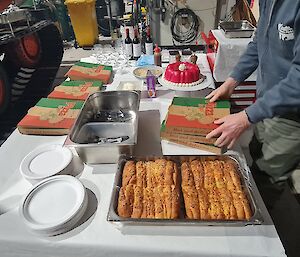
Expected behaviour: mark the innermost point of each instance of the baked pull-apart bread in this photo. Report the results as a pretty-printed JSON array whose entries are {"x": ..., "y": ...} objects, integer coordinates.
[
  {"x": 150, "y": 189},
  {"x": 212, "y": 190}
]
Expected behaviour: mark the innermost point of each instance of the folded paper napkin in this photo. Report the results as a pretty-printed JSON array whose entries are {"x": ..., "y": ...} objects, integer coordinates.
[{"x": 145, "y": 60}]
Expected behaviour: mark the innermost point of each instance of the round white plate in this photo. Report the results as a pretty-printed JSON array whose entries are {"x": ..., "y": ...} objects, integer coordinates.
[
  {"x": 141, "y": 72},
  {"x": 71, "y": 223},
  {"x": 45, "y": 161},
  {"x": 53, "y": 203},
  {"x": 203, "y": 83}
]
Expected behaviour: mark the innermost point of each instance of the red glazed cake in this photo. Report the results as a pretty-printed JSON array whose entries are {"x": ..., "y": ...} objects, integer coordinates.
[{"x": 183, "y": 74}]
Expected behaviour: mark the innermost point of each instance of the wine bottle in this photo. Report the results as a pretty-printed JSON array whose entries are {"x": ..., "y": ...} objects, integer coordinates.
[
  {"x": 149, "y": 43},
  {"x": 144, "y": 34},
  {"x": 137, "y": 51},
  {"x": 128, "y": 45}
]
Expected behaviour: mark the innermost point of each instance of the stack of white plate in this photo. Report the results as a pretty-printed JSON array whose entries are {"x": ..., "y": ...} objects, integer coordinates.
[
  {"x": 46, "y": 161},
  {"x": 54, "y": 206}
]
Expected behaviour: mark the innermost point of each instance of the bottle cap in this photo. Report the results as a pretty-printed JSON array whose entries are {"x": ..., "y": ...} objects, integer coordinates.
[
  {"x": 157, "y": 49},
  {"x": 149, "y": 73},
  {"x": 193, "y": 59}
]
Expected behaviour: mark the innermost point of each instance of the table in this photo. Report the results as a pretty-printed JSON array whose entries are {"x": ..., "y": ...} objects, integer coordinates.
[
  {"x": 228, "y": 53},
  {"x": 95, "y": 236}
]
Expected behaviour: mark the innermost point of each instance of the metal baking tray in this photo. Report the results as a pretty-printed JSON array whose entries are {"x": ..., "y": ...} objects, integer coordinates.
[
  {"x": 237, "y": 29},
  {"x": 246, "y": 180},
  {"x": 106, "y": 127}
]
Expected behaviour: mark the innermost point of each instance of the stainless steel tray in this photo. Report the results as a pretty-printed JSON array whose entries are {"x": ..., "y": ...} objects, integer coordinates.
[
  {"x": 106, "y": 127},
  {"x": 246, "y": 180},
  {"x": 237, "y": 29}
]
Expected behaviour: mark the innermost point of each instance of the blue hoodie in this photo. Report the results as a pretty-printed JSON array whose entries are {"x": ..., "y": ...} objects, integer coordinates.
[{"x": 275, "y": 52}]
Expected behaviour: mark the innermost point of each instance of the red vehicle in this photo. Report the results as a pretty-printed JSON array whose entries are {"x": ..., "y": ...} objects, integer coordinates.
[
  {"x": 4, "y": 4},
  {"x": 31, "y": 50}
]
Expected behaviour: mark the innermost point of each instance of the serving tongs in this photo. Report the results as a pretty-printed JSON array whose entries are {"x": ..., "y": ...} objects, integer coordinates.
[
  {"x": 109, "y": 140},
  {"x": 112, "y": 116}
]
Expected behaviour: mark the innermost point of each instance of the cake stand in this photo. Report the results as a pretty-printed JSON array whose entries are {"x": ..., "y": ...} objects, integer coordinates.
[{"x": 202, "y": 83}]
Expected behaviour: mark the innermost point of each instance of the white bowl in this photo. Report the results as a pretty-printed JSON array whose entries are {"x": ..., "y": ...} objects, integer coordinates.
[{"x": 46, "y": 161}]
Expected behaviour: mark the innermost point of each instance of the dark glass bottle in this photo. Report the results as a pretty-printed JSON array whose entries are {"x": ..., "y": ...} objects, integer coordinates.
[
  {"x": 144, "y": 34},
  {"x": 149, "y": 43},
  {"x": 137, "y": 51},
  {"x": 128, "y": 45}
]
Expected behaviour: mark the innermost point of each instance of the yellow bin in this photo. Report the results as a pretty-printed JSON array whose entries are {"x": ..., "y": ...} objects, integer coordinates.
[{"x": 84, "y": 21}]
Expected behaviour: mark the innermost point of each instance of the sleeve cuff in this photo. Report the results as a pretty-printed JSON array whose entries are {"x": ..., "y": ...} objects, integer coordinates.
[
  {"x": 237, "y": 76},
  {"x": 254, "y": 113}
]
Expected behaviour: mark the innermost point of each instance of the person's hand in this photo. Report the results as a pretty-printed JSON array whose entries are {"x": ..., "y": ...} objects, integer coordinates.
[
  {"x": 224, "y": 91},
  {"x": 230, "y": 129}
]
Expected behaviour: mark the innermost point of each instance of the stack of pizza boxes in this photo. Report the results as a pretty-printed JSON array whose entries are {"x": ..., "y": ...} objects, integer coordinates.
[
  {"x": 189, "y": 120},
  {"x": 56, "y": 114}
]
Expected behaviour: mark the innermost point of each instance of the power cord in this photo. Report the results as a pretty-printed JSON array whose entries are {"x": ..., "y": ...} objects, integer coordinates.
[{"x": 188, "y": 36}]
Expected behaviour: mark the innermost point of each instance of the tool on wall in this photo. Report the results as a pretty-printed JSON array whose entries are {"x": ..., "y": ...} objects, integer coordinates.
[
  {"x": 184, "y": 25},
  {"x": 179, "y": 22}
]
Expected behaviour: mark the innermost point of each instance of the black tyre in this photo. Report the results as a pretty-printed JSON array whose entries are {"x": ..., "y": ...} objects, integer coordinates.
[
  {"x": 25, "y": 52},
  {"x": 5, "y": 94}
]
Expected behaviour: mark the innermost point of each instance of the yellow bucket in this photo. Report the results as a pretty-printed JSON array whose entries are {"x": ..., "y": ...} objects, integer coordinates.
[{"x": 84, "y": 21}]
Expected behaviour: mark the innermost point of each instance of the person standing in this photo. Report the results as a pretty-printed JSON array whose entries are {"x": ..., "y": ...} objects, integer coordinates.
[{"x": 275, "y": 53}]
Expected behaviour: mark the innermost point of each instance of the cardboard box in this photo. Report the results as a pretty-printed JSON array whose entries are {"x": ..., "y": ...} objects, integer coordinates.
[
  {"x": 75, "y": 90},
  {"x": 204, "y": 147},
  {"x": 172, "y": 135},
  {"x": 90, "y": 71},
  {"x": 195, "y": 115},
  {"x": 189, "y": 120},
  {"x": 50, "y": 117}
]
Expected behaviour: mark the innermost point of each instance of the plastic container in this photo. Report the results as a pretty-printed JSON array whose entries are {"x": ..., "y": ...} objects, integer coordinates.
[
  {"x": 83, "y": 19},
  {"x": 151, "y": 84}
]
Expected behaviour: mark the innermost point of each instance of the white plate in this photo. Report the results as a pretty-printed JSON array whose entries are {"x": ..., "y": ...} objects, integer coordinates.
[
  {"x": 45, "y": 161},
  {"x": 203, "y": 83},
  {"x": 69, "y": 225},
  {"x": 141, "y": 72},
  {"x": 53, "y": 205}
]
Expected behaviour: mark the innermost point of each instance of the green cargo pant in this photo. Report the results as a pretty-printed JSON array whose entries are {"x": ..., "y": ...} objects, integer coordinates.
[{"x": 275, "y": 147}]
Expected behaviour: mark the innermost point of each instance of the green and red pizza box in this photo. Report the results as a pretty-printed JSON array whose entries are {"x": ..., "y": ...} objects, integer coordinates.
[
  {"x": 90, "y": 71},
  {"x": 50, "y": 117},
  {"x": 75, "y": 90}
]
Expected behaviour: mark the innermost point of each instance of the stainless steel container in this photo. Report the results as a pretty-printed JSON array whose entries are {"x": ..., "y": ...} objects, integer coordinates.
[
  {"x": 237, "y": 29},
  {"x": 106, "y": 127},
  {"x": 246, "y": 181}
]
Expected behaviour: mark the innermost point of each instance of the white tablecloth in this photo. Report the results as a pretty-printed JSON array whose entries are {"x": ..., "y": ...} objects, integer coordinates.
[
  {"x": 126, "y": 73},
  {"x": 95, "y": 236},
  {"x": 228, "y": 54}
]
